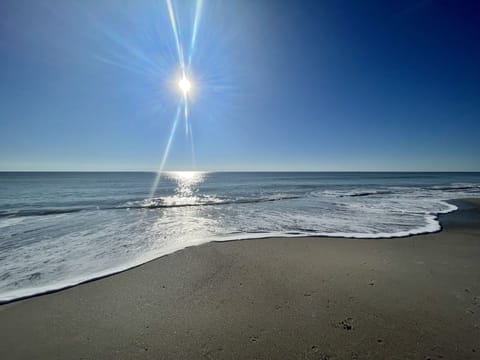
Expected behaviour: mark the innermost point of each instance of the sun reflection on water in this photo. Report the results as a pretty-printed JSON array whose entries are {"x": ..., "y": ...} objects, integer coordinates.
[
  {"x": 187, "y": 182},
  {"x": 186, "y": 186}
]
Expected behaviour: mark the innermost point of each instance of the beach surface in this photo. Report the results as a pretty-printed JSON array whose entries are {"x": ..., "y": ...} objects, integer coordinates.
[{"x": 277, "y": 298}]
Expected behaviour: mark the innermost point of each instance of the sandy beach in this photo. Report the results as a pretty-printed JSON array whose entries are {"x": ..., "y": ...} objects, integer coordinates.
[{"x": 277, "y": 298}]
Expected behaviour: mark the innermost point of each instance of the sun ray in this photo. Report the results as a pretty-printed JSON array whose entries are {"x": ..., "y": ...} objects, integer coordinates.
[
  {"x": 196, "y": 22},
  {"x": 185, "y": 112},
  {"x": 173, "y": 21}
]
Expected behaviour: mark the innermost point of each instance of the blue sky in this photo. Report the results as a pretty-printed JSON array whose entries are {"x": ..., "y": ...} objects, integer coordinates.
[{"x": 277, "y": 85}]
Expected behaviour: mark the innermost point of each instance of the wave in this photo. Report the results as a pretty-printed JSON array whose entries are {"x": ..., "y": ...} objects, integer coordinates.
[
  {"x": 368, "y": 193},
  {"x": 38, "y": 212},
  {"x": 419, "y": 191},
  {"x": 455, "y": 187},
  {"x": 208, "y": 201},
  {"x": 155, "y": 203},
  {"x": 355, "y": 193}
]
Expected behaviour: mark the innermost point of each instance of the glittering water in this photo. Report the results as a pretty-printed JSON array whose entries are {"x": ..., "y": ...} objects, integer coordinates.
[{"x": 59, "y": 229}]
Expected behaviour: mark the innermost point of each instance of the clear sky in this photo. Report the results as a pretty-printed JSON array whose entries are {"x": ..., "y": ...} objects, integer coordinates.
[{"x": 276, "y": 85}]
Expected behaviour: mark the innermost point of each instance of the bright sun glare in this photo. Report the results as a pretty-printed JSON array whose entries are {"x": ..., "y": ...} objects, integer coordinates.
[{"x": 185, "y": 85}]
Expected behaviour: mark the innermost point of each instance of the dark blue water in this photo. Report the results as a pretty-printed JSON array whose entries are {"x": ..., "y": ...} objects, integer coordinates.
[{"x": 58, "y": 229}]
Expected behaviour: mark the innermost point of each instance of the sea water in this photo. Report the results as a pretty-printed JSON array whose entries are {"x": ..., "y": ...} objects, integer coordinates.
[{"x": 59, "y": 229}]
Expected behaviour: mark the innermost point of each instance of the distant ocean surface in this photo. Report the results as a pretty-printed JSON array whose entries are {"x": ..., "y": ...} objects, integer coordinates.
[{"x": 60, "y": 229}]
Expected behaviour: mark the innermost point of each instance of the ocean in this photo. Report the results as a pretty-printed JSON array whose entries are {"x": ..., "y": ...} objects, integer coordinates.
[{"x": 59, "y": 229}]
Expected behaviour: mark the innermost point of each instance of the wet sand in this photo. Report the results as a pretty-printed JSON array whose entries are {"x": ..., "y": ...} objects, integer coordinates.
[{"x": 276, "y": 298}]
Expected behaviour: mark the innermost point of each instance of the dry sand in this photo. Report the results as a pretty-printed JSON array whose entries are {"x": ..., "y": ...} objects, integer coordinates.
[{"x": 277, "y": 298}]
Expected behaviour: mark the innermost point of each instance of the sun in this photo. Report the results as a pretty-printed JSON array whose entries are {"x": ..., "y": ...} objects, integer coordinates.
[{"x": 185, "y": 85}]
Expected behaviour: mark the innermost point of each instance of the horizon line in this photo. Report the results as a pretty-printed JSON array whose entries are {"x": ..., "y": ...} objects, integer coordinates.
[{"x": 241, "y": 171}]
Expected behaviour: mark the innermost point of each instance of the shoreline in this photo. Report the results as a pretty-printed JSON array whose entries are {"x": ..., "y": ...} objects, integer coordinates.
[
  {"x": 304, "y": 297},
  {"x": 73, "y": 283}
]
